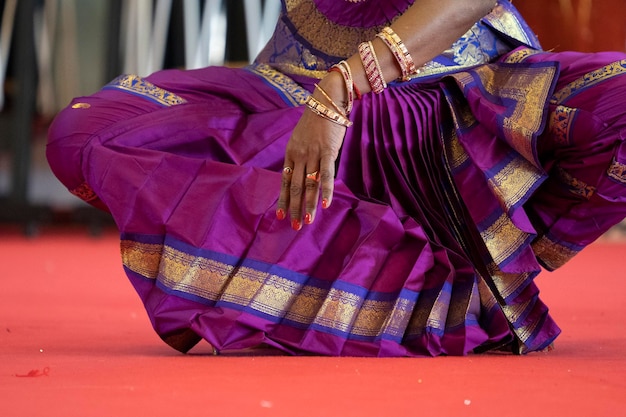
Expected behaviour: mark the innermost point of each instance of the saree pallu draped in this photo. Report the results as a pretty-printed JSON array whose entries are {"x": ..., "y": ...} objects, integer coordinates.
[{"x": 451, "y": 191}]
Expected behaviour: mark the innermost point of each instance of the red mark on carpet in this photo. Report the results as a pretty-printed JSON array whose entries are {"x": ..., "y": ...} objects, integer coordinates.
[{"x": 35, "y": 373}]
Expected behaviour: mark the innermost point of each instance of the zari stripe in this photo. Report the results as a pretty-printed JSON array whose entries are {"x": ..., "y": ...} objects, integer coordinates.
[
  {"x": 344, "y": 309},
  {"x": 458, "y": 155},
  {"x": 503, "y": 239},
  {"x": 317, "y": 29},
  {"x": 137, "y": 85},
  {"x": 519, "y": 55},
  {"x": 528, "y": 88},
  {"x": 617, "y": 171},
  {"x": 552, "y": 254},
  {"x": 289, "y": 90},
  {"x": 560, "y": 124},
  {"x": 608, "y": 71},
  {"x": 517, "y": 312},
  {"x": 514, "y": 182},
  {"x": 141, "y": 258},
  {"x": 508, "y": 284},
  {"x": 506, "y": 22},
  {"x": 84, "y": 192},
  {"x": 576, "y": 186}
]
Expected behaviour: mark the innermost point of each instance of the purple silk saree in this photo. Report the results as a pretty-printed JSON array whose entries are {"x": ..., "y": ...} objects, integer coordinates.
[{"x": 451, "y": 190}]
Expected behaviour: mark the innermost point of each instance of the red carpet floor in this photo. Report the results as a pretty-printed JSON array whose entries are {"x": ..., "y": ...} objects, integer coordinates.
[{"x": 74, "y": 341}]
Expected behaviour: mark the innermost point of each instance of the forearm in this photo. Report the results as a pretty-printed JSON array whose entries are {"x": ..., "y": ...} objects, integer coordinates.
[{"x": 427, "y": 28}]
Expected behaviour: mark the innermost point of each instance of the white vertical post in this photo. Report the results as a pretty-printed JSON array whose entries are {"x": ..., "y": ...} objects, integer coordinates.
[
  {"x": 159, "y": 32},
  {"x": 67, "y": 62},
  {"x": 46, "y": 18},
  {"x": 260, "y": 23},
  {"x": 253, "y": 13},
  {"x": 191, "y": 23},
  {"x": 205, "y": 44}
]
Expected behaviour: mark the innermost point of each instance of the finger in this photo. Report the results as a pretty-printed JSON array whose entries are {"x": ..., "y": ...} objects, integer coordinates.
[
  {"x": 283, "y": 198},
  {"x": 296, "y": 194},
  {"x": 327, "y": 180},
  {"x": 312, "y": 193}
]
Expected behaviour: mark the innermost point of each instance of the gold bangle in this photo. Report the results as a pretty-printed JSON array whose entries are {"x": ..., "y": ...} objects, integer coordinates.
[
  {"x": 332, "y": 103},
  {"x": 321, "y": 110},
  {"x": 344, "y": 69},
  {"x": 400, "y": 52}
]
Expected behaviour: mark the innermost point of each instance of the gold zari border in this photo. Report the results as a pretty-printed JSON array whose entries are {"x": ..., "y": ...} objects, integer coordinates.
[
  {"x": 617, "y": 171},
  {"x": 561, "y": 120},
  {"x": 528, "y": 87},
  {"x": 137, "y": 85},
  {"x": 503, "y": 238},
  {"x": 608, "y": 71},
  {"x": 283, "y": 298},
  {"x": 84, "y": 192},
  {"x": 575, "y": 185},
  {"x": 514, "y": 181},
  {"x": 296, "y": 94},
  {"x": 552, "y": 254}
]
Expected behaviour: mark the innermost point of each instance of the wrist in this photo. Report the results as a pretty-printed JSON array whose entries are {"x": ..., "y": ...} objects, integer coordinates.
[{"x": 334, "y": 85}]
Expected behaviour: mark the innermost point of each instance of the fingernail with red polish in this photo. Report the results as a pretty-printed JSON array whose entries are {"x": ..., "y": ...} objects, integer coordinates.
[
  {"x": 295, "y": 224},
  {"x": 280, "y": 214},
  {"x": 308, "y": 219},
  {"x": 325, "y": 203}
]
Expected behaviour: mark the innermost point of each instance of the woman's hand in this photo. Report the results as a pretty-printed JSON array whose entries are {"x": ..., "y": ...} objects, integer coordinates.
[
  {"x": 426, "y": 28},
  {"x": 310, "y": 160}
]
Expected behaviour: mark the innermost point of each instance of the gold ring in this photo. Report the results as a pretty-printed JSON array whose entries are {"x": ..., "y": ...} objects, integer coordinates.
[
  {"x": 287, "y": 170},
  {"x": 314, "y": 176}
]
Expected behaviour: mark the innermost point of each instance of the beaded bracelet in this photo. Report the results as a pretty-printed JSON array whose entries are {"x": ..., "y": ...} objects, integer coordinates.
[
  {"x": 321, "y": 110},
  {"x": 400, "y": 52},
  {"x": 372, "y": 67}
]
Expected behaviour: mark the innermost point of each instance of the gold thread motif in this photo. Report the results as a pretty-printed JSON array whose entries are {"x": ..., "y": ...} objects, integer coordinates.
[
  {"x": 142, "y": 258},
  {"x": 506, "y": 22},
  {"x": 513, "y": 182},
  {"x": 137, "y": 85},
  {"x": 514, "y": 311},
  {"x": 317, "y": 29},
  {"x": 608, "y": 71},
  {"x": 487, "y": 299},
  {"x": 503, "y": 239},
  {"x": 458, "y": 155},
  {"x": 397, "y": 324},
  {"x": 520, "y": 55},
  {"x": 296, "y": 94},
  {"x": 281, "y": 297},
  {"x": 554, "y": 255},
  {"x": 528, "y": 88},
  {"x": 576, "y": 186},
  {"x": 84, "y": 192},
  {"x": 617, "y": 171},
  {"x": 507, "y": 283},
  {"x": 463, "y": 119},
  {"x": 560, "y": 124}
]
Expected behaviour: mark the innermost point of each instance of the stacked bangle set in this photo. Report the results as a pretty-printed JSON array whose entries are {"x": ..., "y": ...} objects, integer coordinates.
[{"x": 373, "y": 73}]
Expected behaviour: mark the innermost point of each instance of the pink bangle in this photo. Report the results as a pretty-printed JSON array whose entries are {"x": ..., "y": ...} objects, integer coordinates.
[{"x": 372, "y": 67}]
